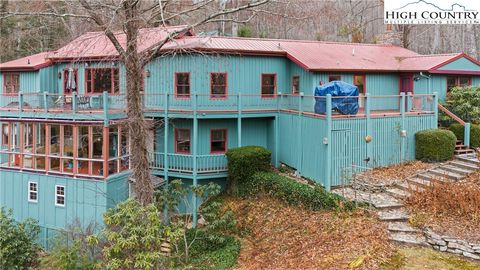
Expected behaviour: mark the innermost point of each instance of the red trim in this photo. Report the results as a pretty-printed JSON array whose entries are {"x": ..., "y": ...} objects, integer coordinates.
[
  {"x": 454, "y": 59},
  {"x": 334, "y": 76},
  {"x": 175, "y": 86},
  {"x": 274, "y": 85},
  {"x": 459, "y": 72},
  {"x": 65, "y": 74},
  {"x": 92, "y": 77},
  {"x": 225, "y": 141},
  {"x": 224, "y": 96},
  {"x": 293, "y": 93},
  {"x": 176, "y": 141},
  {"x": 5, "y": 83}
]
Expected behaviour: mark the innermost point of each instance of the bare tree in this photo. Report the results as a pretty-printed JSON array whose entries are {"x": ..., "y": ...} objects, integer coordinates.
[{"x": 131, "y": 15}]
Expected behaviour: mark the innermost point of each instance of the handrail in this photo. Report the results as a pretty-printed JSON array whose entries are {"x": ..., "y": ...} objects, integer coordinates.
[{"x": 452, "y": 115}]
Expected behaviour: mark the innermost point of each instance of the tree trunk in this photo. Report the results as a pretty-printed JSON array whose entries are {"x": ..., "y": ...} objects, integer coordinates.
[{"x": 137, "y": 125}]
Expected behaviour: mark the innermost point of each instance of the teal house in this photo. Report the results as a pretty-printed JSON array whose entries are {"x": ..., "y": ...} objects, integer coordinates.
[{"x": 64, "y": 153}]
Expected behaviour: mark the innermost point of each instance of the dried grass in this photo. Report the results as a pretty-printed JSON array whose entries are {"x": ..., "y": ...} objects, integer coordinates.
[
  {"x": 392, "y": 173},
  {"x": 284, "y": 237},
  {"x": 449, "y": 208}
]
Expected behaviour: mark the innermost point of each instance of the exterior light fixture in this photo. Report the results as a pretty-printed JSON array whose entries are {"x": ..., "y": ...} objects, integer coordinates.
[
  {"x": 59, "y": 74},
  {"x": 403, "y": 133},
  {"x": 147, "y": 73},
  {"x": 368, "y": 138}
]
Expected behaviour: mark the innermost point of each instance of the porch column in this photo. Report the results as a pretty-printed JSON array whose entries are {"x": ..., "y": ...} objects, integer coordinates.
[
  {"x": 402, "y": 135},
  {"x": 369, "y": 127},
  {"x": 299, "y": 132},
  {"x": 165, "y": 140},
  {"x": 277, "y": 141},
  {"x": 328, "y": 142},
  {"x": 105, "y": 107},
  {"x": 239, "y": 119},
  {"x": 435, "y": 104},
  {"x": 194, "y": 156}
]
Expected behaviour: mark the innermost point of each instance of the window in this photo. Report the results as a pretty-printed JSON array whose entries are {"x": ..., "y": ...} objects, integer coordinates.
[
  {"x": 269, "y": 82},
  {"x": 332, "y": 78},
  {"x": 182, "y": 85},
  {"x": 102, "y": 79},
  {"x": 182, "y": 141},
  {"x": 359, "y": 81},
  {"x": 32, "y": 192},
  {"x": 59, "y": 195},
  {"x": 218, "y": 140},
  {"x": 11, "y": 84},
  {"x": 458, "y": 81},
  {"x": 218, "y": 85},
  {"x": 70, "y": 81},
  {"x": 4, "y": 134},
  {"x": 295, "y": 85}
]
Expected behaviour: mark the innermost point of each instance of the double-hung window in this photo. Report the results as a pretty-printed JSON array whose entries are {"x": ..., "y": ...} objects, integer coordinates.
[
  {"x": 11, "y": 83},
  {"x": 182, "y": 85},
  {"x": 295, "y": 85},
  {"x": 218, "y": 141},
  {"x": 59, "y": 195},
  {"x": 218, "y": 85},
  {"x": 269, "y": 84},
  {"x": 182, "y": 141},
  {"x": 33, "y": 192}
]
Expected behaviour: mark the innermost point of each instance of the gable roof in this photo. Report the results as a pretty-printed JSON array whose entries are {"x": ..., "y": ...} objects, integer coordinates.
[
  {"x": 27, "y": 63},
  {"x": 96, "y": 45}
]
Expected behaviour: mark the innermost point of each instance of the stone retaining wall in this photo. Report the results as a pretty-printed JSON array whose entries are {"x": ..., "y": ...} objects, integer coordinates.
[{"x": 452, "y": 245}]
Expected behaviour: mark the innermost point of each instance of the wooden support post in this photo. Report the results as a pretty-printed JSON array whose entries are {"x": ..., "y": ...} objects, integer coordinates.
[
  {"x": 328, "y": 168},
  {"x": 75, "y": 151},
  {"x": 195, "y": 148},
  {"x": 74, "y": 102},
  {"x": 105, "y": 108},
  {"x": 20, "y": 101},
  {"x": 277, "y": 139},
  {"x": 239, "y": 120},
  {"x": 466, "y": 134},
  {"x": 368, "y": 117},
  {"x": 165, "y": 140},
  {"x": 45, "y": 101},
  {"x": 435, "y": 104},
  {"x": 105, "y": 151},
  {"x": 47, "y": 147},
  {"x": 299, "y": 134}
]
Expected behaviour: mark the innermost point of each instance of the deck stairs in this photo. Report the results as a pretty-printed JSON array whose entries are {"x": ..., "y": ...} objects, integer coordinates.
[
  {"x": 389, "y": 202},
  {"x": 461, "y": 149}
]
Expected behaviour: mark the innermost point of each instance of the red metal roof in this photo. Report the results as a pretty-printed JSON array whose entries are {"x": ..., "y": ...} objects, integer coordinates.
[
  {"x": 32, "y": 62},
  {"x": 97, "y": 45},
  {"x": 310, "y": 55},
  {"x": 425, "y": 62}
]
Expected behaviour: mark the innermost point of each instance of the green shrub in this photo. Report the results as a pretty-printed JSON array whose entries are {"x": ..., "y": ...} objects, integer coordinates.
[
  {"x": 434, "y": 145},
  {"x": 459, "y": 131},
  {"x": 292, "y": 192},
  {"x": 243, "y": 162},
  {"x": 18, "y": 247},
  {"x": 465, "y": 103}
]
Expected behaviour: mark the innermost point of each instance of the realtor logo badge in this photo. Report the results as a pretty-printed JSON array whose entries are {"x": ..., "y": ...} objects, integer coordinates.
[{"x": 431, "y": 12}]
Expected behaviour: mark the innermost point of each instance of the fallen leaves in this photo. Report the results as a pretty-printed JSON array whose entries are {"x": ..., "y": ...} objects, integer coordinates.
[
  {"x": 392, "y": 173},
  {"x": 276, "y": 236}
]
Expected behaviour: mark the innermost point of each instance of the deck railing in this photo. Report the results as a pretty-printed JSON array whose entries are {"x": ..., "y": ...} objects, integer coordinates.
[
  {"x": 466, "y": 126},
  {"x": 98, "y": 103},
  {"x": 183, "y": 163}
]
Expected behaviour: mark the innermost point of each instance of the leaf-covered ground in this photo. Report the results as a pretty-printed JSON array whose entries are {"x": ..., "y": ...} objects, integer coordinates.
[
  {"x": 451, "y": 208},
  {"x": 393, "y": 173},
  {"x": 276, "y": 236}
]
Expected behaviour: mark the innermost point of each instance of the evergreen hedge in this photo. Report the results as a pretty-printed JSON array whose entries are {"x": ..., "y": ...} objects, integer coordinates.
[
  {"x": 292, "y": 192},
  {"x": 245, "y": 161},
  {"x": 434, "y": 145},
  {"x": 459, "y": 131}
]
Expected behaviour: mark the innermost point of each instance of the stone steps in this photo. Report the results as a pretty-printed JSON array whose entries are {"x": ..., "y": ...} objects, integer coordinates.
[
  {"x": 469, "y": 160},
  {"x": 446, "y": 174},
  {"x": 393, "y": 215},
  {"x": 402, "y": 227},
  {"x": 419, "y": 182},
  {"x": 464, "y": 165},
  {"x": 410, "y": 186},
  {"x": 454, "y": 169},
  {"x": 408, "y": 238},
  {"x": 378, "y": 200},
  {"x": 398, "y": 192}
]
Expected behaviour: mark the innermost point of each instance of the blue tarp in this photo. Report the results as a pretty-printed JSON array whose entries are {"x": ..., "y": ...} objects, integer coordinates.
[{"x": 338, "y": 89}]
